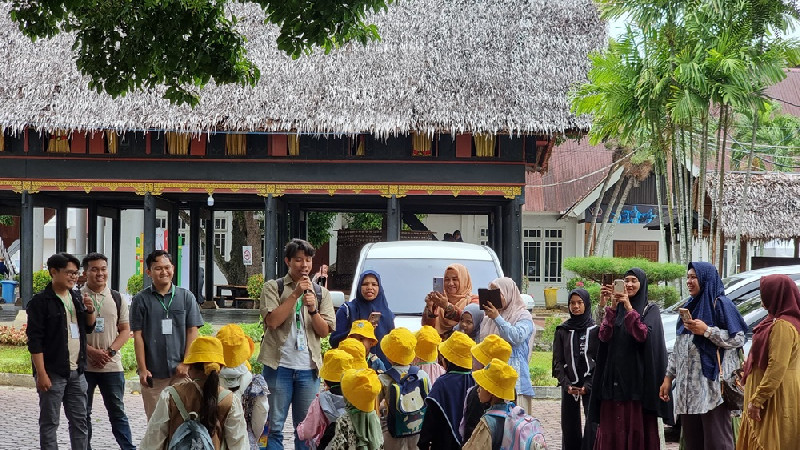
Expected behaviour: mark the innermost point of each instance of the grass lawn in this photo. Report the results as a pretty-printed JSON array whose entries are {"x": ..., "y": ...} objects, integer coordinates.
[
  {"x": 541, "y": 366},
  {"x": 15, "y": 359}
]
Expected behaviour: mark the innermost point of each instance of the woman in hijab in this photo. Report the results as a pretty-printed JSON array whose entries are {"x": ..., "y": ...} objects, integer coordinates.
[
  {"x": 574, "y": 349},
  {"x": 443, "y": 310},
  {"x": 772, "y": 371},
  {"x": 514, "y": 324},
  {"x": 630, "y": 364},
  {"x": 712, "y": 334},
  {"x": 370, "y": 298},
  {"x": 470, "y": 323}
]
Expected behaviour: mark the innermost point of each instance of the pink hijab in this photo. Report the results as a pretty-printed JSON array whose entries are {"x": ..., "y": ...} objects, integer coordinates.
[{"x": 514, "y": 309}]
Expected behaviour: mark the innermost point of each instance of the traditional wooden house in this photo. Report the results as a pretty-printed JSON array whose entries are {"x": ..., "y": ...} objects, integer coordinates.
[{"x": 444, "y": 114}]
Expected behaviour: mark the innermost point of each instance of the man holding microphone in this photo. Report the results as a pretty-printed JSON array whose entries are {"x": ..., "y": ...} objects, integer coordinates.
[{"x": 297, "y": 314}]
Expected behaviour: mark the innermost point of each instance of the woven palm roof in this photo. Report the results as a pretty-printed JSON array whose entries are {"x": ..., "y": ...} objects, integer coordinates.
[
  {"x": 770, "y": 209},
  {"x": 442, "y": 66}
]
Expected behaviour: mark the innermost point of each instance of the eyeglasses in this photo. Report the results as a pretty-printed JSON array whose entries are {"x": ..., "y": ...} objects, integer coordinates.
[{"x": 72, "y": 273}]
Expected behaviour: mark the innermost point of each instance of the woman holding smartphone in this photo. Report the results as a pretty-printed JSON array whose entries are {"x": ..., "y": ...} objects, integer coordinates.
[
  {"x": 443, "y": 309},
  {"x": 370, "y": 304},
  {"x": 631, "y": 362}
]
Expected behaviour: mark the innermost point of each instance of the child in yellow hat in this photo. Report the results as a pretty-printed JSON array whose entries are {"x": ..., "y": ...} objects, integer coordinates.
[
  {"x": 359, "y": 428},
  {"x": 356, "y": 349},
  {"x": 427, "y": 351},
  {"x": 399, "y": 347},
  {"x": 329, "y": 404},
  {"x": 496, "y": 387},
  {"x": 493, "y": 346},
  {"x": 446, "y": 401},
  {"x": 251, "y": 391},
  {"x": 205, "y": 359},
  {"x": 364, "y": 331}
]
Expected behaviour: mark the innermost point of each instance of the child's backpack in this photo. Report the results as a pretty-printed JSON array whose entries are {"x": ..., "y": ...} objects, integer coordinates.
[
  {"x": 191, "y": 434},
  {"x": 406, "y": 406},
  {"x": 520, "y": 431}
]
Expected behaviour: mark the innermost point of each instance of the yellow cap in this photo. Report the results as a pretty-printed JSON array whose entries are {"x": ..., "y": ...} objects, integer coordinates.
[
  {"x": 492, "y": 346},
  {"x": 361, "y": 387},
  {"x": 398, "y": 346},
  {"x": 236, "y": 346},
  {"x": 334, "y": 364},
  {"x": 457, "y": 349},
  {"x": 356, "y": 350},
  {"x": 428, "y": 341},
  {"x": 208, "y": 350},
  {"x": 365, "y": 329},
  {"x": 498, "y": 378}
]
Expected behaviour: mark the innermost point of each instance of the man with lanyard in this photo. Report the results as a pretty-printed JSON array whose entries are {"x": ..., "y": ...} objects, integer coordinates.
[
  {"x": 111, "y": 331},
  {"x": 58, "y": 321},
  {"x": 297, "y": 314},
  {"x": 164, "y": 319}
]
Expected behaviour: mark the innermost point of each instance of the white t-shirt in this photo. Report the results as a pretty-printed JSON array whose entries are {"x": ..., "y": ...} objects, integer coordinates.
[{"x": 291, "y": 357}]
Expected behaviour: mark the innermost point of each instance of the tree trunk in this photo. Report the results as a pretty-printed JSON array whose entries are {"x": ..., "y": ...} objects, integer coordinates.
[
  {"x": 610, "y": 234},
  {"x": 679, "y": 168},
  {"x": 671, "y": 198},
  {"x": 701, "y": 185},
  {"x": 658, "y": 170},
  {"x": 714, "y": 201},
  {"x": 606, "y": 216},
  {"x": 590, "y": 241},
  {"x": 743, "y": 198},
  {"x": 720, "y": 243}
]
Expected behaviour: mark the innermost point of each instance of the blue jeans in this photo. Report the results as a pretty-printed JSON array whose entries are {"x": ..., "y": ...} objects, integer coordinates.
[
  {"x": 112, "y": 388},
  {"x": 297, "y": 388},
  {"x": 71, "y": 392}
]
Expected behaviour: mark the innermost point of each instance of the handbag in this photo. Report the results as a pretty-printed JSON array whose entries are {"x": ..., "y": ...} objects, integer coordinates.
[{"x": 732, "y": 388}]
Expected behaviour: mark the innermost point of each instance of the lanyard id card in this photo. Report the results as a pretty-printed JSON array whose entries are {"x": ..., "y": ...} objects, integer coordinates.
[
  {"x": 73, "y": 331},
  {"x": 99, "y": 325},
  {"x": 301, "y": 333},
  {"x": 166, "y": 326}
]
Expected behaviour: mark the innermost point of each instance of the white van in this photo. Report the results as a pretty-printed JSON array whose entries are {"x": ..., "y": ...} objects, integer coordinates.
[{"x": 407, "y": 269}]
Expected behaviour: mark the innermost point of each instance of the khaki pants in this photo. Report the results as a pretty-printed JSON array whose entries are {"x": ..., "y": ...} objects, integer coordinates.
[{"x": 150, "y": 394}]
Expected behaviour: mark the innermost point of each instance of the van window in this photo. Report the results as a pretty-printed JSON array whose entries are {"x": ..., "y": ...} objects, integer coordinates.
[{"x": 406, "y": 282}]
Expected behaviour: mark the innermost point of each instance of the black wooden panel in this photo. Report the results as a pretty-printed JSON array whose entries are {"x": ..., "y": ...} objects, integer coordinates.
[
  {"x": 158, "y": 144},
  {"x": 215, "y": 148},
  {"x": 36, "y": 142},
  {"x": 257, "y": 145}
]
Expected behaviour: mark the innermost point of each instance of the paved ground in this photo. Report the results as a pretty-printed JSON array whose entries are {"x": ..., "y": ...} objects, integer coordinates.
[{"x": 19, "y": 430}]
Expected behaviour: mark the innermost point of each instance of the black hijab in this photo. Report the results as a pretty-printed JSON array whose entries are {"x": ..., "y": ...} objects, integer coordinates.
[
  {"x": 584, "y": 320},
  {"x": 628, "y": 370}
]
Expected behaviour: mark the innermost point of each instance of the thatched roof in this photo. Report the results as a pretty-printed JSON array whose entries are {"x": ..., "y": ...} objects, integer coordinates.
[
  {"x": 770, "y": 209},
  {"x": 442, "y": 65}
]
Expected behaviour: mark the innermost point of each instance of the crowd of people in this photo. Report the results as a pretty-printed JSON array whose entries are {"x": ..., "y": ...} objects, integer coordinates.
[{"x": 460, "y": 381}]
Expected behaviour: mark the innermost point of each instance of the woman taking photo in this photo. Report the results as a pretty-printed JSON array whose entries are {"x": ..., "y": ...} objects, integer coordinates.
[
  {"x": 574, "y": 348},
  {"x": 514, "y": 324},
  {"x": 370, "y": 304},
  {"x": 443, "y": 310},
  {"x": 772, "y": 373},
  {"x": 631, "y": 362}
]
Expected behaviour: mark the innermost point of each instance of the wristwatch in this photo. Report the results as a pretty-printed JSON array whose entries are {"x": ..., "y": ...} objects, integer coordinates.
[
  {"x": 707, "y": 333},
  {"x": 111, "y": 352},
  {"x": 311, "y": 313}
]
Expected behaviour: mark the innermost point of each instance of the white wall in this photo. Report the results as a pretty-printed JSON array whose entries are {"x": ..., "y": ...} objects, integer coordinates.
[{"x": 572, "y": 239}]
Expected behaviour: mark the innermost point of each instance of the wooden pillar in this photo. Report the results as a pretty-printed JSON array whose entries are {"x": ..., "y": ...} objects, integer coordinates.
[
  {"x": 512, "y": 243},
  {"x": 26, "y": 249},
  {"x": 283, "y": 236},
  {"x": 91, "y": 227},
  {"x": 294, "y": 221},
  {"x": 194, "y": 252},
  {"x": 61, "y": 228},
  {"x": 393, "y": 219},
  {"x": 116, "y": 249},
  {"x": 742, "y": 255},
  {"x": 172, "y": 238},
  {"x": 270, "y": 238},
  {"x": 209, "y": 263},
  {"x": 498, "y": 232},
  {"x": 797, "y": 247},
  {"x": 149, "y": 228}
]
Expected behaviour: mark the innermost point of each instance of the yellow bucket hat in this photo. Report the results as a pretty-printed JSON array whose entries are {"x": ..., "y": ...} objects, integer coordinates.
[
  {"x": 492, "y": 346},
  {"x": 365, "y": 329},
  {"x": 498, "y": 378},
  {"x": 428, "y": 341},
  {"x": 208, "y": 350},
  {"x": 398, "y": 346},
  {"x": 457, "y": 349},
  {"x": 356, "y": 350},
  {"x": 334, "y": 364},
  {"x": 361, "y": 387},
  {"x": 236, "y": 346}
]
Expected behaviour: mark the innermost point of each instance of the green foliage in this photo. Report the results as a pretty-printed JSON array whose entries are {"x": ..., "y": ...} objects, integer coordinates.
[
  {"x": 777, "y": 139},
  {"x": 253, "y": 330},
  {"x": 663, "y": 295},
  {"x": 12, "y": 336},
  {"x": 206, "y": 330},
  {"x": 325, "y": 344},
  {"x": 364, "y": 221},
  {"x": 544, "y": 339},
  {"x": 254, "y": 285},
  {"x": 128, "y": 46},
  {"x": 40, "y": 280},
  {"x": 593, "y": 268},
  {"x": 541, "y": 368},
  {"x": 15, "y": 359},
  {"x": 135, "y": 283},
  {"x": 6, "y": 220},
  {"x": 319, "y": 225},
  {"x": 128, "y": 356}
]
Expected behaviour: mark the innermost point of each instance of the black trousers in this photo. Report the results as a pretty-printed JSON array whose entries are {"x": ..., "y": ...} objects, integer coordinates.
[
  {"x": 709, "y": 431},
  {"x": 574, "y": 436}
]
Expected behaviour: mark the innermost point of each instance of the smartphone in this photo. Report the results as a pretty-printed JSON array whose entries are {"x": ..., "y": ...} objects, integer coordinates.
[
  {"x": 607, "y": 279},
  {"x": 685, "y": 314},
  {"x": 438, "y": 284},
  {"x": 149, "y": 381},
  {"x": 619, "y": 286},
  {"x": 486, "y": 296},
  {"x": 374, "y": 318}
]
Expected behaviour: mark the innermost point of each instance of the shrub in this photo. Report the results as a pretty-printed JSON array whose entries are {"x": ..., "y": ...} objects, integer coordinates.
[
  {"x": 254, "y": 285},
  {"x": 128, "y": 356},
  {"x": 40, "y": 280},
  {"x": 206, "y": 330},
  {"x": 13, "y": 336},
  {"x": 665, "y": 296},
  {"x": 325, "y": 345},
  {"x": 593, "y": 268},
  {"x": 135, "y": 283},
  {"x": 253, "y": 330},
  {"x": 544, "y": 340}
]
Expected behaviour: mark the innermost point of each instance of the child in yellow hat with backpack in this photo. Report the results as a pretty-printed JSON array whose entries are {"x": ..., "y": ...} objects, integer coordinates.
[
  {"x": 329, "y": 404},
  {"x": 364, "y": 331}
]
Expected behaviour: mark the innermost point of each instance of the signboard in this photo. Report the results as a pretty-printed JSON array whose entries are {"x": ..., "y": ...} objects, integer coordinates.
[
  {"x": 636, "y": 214},
  {"x": 247, "y": 255}
]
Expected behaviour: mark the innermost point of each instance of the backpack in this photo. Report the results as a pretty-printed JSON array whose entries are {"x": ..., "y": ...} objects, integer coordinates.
[
  {"x": 191, "y": 434},
  {"x": 520, "y": 430},
  {"x": 118, "y": 300},
  {"x": 406, "y": 406}
]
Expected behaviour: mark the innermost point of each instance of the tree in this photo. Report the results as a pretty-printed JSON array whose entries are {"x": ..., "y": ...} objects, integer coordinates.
[
  {"x": 125, "y": 46},
  {"x": 319, "y": 225}
]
